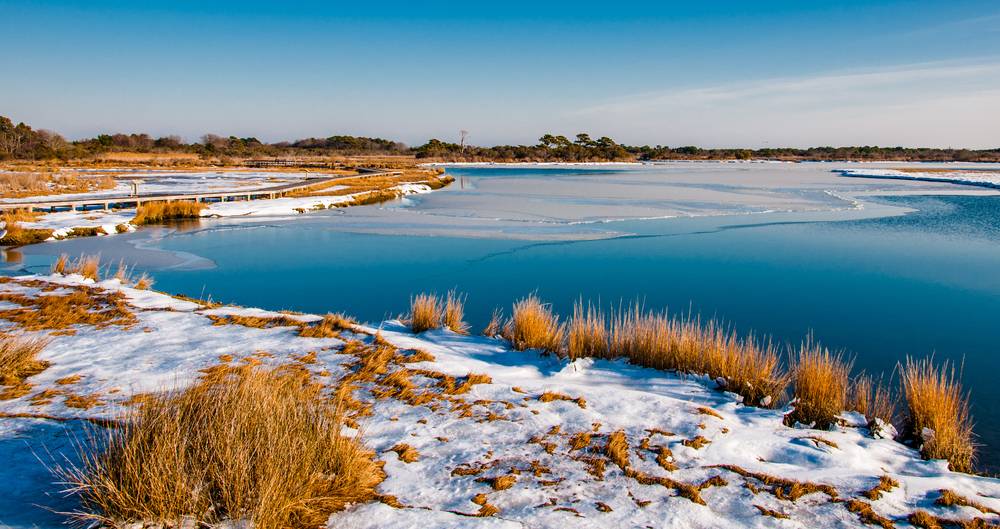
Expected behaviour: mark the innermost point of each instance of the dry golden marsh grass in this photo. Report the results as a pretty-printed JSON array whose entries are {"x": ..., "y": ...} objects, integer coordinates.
[
  {"x": 157, "y": 212},
  {"x": 262, "y": 445},
  {"x": 18, "y": 361},
  {"x": 533, "y": 325},
  {"x": 821, "y": 381},
  {"x": 938, "y": 413},
  {"x": 27, "y": 184},
  {"x": 430, "y": 311},
  {"x": 378, "y": 371}
]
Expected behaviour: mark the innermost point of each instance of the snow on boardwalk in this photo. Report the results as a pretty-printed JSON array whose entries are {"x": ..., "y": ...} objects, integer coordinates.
[{"x": 519, "y": 438}]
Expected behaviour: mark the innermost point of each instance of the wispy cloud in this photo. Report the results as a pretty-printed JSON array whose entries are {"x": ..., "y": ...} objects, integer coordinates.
[
  {"x": 941, "y": 103},
  {"x": 829, "y": 86}
]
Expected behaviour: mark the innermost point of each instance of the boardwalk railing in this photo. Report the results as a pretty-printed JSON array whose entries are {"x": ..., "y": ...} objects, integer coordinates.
[{"x": 131, "y": 201}]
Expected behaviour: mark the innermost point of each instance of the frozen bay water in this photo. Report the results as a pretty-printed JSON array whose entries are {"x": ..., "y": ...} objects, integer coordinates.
[{"x": 879, "y": 268}]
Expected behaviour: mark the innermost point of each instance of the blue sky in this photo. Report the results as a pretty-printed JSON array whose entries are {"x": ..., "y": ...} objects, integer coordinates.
[{"x": 672, "y": 73}]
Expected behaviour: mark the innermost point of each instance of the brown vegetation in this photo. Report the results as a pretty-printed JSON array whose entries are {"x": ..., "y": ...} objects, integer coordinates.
[
  {"x": 406, "y": 453},
  {"x": 533, "y": 325},
  {"x": 938, "y": 413},
  {"x": 588, "y": 332},
  {"x": 425, "y": 312},
  {"x": 18, "y": 361},
  {"x": 329, "y": 327},
  {"x": 821, "y": 381},
  {"x": 867, "y": 515},
  {"x": 82, "y": 306},
  {"x": 872, "y": 399},
  {"x": 885, "y": 484},
  {"x": 429, "y": 311},
  {"x": 782, "y": 488},
  {"x": 950, "y": 498},
  {"x": 454, "y": 312},
  {"x": 550, "y": 396},
  {"x": 158, "y": 212},
  {"x": 28, "y": 184},
  {"x": 654, "y": 340},
  {"x": 248, "y": 444},
  {"x": 19, "y": 236}
]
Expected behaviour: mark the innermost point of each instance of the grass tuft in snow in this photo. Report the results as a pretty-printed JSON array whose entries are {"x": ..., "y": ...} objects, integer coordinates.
[
  {"x": 533, "y": 325},
  {"x": 950, "y": 498},
  {"x": 745, "y": 366},
  {"x": 329, "y": 327},
  {"x": 495, "y": 326},
  {"x": 454, "y": 312},
  {"x": 82, "y": 306},
  {"x": 938, "y": 413},
  {"x": 88, "y": 266},
  {"x": 588, "y": 332},
  {"x": 18, "y": 361},
  {"x": 262, "y": 446},
  {"x": 821, "y": 381},
  {"x": 425, "y": 312},
  {"x": 873, "y": 399},
  {"x": 429, "y": 311},
  {"x": 157, "y": 212}
]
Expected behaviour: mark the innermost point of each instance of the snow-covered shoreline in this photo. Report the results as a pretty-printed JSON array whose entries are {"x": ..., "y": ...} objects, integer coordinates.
[
  {"x": 968, "y": 178},
  {"x": 503, "y": 427}
]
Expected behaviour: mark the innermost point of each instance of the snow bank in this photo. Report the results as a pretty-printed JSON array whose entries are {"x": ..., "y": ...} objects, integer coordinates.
[
  {"x": 499, "y": 428},
  {"x": 990, "y": 179}
]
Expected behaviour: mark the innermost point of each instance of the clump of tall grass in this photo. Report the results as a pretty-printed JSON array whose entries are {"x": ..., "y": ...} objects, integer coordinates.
[
  {"x": 873, "y": 399},
  {"x": 938, "y": 413},
  {"x": 429, "y": 311},
  {"x": 495, "y": 325},
  {"x": 821, "y": 380},
  {"x": 88, "y": 266},
  {"x": 744, "y": 366},
  {"x": 254, "y": 445},
  {"x": 18, "y": 358},
  {"x": 454, "y": 312},
  {"x": 425, "y": 312},
  {"x": 157, "y": 212},
  {"x": 588, "y": 332},
  {"x": 533, "y": 325},
  {"x": 126, "y": 276}
]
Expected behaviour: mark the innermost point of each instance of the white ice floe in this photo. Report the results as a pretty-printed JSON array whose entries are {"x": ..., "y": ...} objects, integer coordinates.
[
  {"x": 508, "y": 430},
  {"x": 980, "y": 178}
]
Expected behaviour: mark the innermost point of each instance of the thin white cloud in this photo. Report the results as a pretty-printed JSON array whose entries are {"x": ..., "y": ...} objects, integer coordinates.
[{"x": 943, "y": 103}]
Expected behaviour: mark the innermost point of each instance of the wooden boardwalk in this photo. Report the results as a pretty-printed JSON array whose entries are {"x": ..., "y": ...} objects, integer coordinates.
[{"x": 131, "y": 201}]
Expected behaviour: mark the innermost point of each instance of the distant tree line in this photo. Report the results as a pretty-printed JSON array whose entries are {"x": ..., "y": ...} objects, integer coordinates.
[
  {"x": 21, "y": 142},
  {"x": 549, "y": 148}
]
